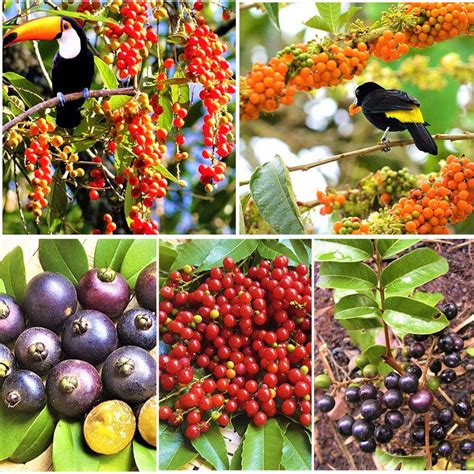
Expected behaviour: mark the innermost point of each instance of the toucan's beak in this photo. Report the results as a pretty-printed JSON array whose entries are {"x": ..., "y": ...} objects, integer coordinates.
[
  {"x": 46, "y": 28},
  {"x": 354, "y": 108}
]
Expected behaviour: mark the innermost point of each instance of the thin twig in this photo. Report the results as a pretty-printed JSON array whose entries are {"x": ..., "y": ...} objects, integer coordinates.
[
  {"x": 372, "y": 149},
  {"x": 42, "y": 66},
  {"x": 54, "y": 102},
  {"x": 427, "y": 442}
]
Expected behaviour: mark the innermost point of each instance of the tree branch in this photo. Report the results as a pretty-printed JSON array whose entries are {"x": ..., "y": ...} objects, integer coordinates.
[
  {"x": 54, "y": 102},
  {"x": 372, "y": 149}
]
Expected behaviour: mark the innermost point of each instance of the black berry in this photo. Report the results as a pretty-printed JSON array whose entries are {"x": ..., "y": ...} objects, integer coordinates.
[
  {"x": 445, "y": 417},
  {"x": 421, "y": 401},
  {"x": 437, "y": 432},
  {"x": 463, "y": 408},
  {"x": 362, "y": 430},
  {"x": 394, "y": 418},
  {"x": 393, "y": 399},
  {"x": 344, "y": 425},
  {"x": 352, "y": 394},
  {"x": 445, "y": 449},
  {"x": 435, "y": 366},
  {"x": 368, "y": 392},
  {"x": 383, "y": 434},
  {"x": 417, "y": 350},
  {"x": 391, "y": 380},
  {"x": 368, "y": 446},
  {"x": 418, "y": 434},
  {"x": 408, "y": 383},
  {"x": 446, "y": 343},
  {"x": 452, "y": 360},
  {"x": 326, "y": 403},
  {"x": 466, "y": 446},
  {"x": 450, "y": 310},
  {"x": 415, "y": 370},
  {"x": 371, "y": 409},
  {"x": 447, "y": 376}
]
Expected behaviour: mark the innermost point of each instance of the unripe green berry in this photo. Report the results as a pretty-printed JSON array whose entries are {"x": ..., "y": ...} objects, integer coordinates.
[
  {"x": 361, "y": 361},
  {"x": 370, "y": 371},
  {"x": 322, "y": 381},
  {"x": 433, "y": 383}
]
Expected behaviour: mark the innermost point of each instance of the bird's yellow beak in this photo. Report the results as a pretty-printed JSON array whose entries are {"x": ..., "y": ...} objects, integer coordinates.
[
  {"x": 354, "y": 108},
  {"x": 46, "y": 28}
]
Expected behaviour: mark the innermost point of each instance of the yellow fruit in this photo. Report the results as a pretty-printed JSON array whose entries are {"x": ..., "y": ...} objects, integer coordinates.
[
  {"x": 147, "y": 421},
  {"x": 109, "y": 427}
]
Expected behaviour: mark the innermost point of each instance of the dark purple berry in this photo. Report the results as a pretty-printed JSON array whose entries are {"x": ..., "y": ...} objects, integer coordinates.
[
  {"x": 352, "y": 394},
  {"x": 417, "y": 350},
  {"x": 470, "y": 425},
  {"x": 391, "y": 380},
  {"x": 447, "y": 376},
  {"x": 12, "y": 322},
  {"x": 368, "y": 392},
  {"x": 445, "y": 449},
  {"x": 344, "y": 425},
  {"x": 421, "y": 401},
  {"x": 437, "y": 433},
  {"x": 362, "y": 430},
  {"x": 368, "y": 446},
  {"x": 23, "y": 391},
  {"x": 393, "y": 399},
  {"x": 417, "y": 435},
  {"x": 371, "y": 409},
  {"x": 445, "y": 416},
  {"x": 408, "y": 383},
  {"x": 383, "y": 434},
  {"x": 452, "y": 360},
  {"x": 435, "y": 366},
  {"x": 446, "y": 343},
  {"x": 450, "y": 310},
  {"x": 394, "y": 418},
  {"x": 414, "y": 370},
  {"x": 326, "y": 403},
  {"x": 463, "y": 408},
  {"x": 466, "y": 446}
]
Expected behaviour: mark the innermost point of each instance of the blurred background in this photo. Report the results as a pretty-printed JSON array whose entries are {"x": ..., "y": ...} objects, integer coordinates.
[{"x": 318, "y": 125}]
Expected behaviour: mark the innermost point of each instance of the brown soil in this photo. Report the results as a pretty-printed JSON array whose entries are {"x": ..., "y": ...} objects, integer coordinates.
[{"x": 457, "y": 286}]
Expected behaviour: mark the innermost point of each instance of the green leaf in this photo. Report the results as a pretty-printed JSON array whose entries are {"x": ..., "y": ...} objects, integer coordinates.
[
  {"x": 390, "y": 247},
  {"x": 357, "y": 276},
  {"x": 211, "y": 447},
  {"x": 302, "y": 248},
  {"x": 82, "y": 16},
  {"x": 412, "y": 316},
  {"x": 193, "y": 253},
  {"x": 165, "y": 120},
  {"x": 240, "y": 424},
  {"x": 364, "y": 338},
  {"x": 26, "y": 89},
  {"x": 139, "y": 255},
  {"x": 330, "y": 13},
  {"x": 3, "y": 288},
  {"x": 262, "y": 447},
  {"x": 470, "y": 351},
  {"x": 244, "y": 200},
  {"x": 180, "y": 92},
  {"x": 296, "y": 450},
  {"x": 272, "y": 191},
  {"x": 413, "y": 269},
  {"x": 270, "y": 249},
  {"x": 174, "y": 450},
  {"x": 318, "y": 23},
  {"x": 106, "y": 73},
  {"x": 29, "y": 435},
  {"x": 168, "y": 255},
  {"x": 431, "y": 299},
  {"x": 375, "y": 355},
  {"x": 342, "y": 250},
  {"x": 12, "y": 272},
  {"x": 58, "y": 201},
  {"x": 237, "y": 249},
  {"x": 120, "y": 462},
  {"x": 236, "y": 461},
  {"x": 70, "y": 452},
  {"x": 64, "y": 256},
  {"x": 145, "y": 457},
  {"x": 391, "y": 462},
  {"x": 162, "y": 170},
  {"x": 346, "y": 17},
  {"x": 273, "y": 10},
  {"x": 110, "y": 253},
  {"x": 357, "y": 312}
]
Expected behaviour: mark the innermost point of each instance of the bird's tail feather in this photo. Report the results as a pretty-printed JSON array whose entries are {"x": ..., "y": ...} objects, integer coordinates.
[
  {"x": 423, "y": 140},
  {"x": 67, "y": 117}
]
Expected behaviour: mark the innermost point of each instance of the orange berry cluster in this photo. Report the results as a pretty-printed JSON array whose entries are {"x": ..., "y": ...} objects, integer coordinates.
[
  {"x": 204, "y": 54},
  {"x": 438, "y": 22},
  {"x": 351, "y": 225},
  {"x": 390, "y": 46},
  {"x": 330, "y": 202},
  {"x": 439, "y": 202},
  {"x": 130, "y": 39}
]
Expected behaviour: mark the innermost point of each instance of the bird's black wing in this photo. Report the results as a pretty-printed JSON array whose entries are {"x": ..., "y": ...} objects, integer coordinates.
[{"x": 385, "y": 100}]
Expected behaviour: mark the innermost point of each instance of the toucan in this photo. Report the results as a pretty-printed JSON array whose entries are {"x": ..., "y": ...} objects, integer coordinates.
[
  {"x": 73, "y": 65},
  {"x": 393, "y": 110}
]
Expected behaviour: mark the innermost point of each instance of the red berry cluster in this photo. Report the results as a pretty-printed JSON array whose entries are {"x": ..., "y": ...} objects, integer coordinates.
[
  {"x": 248, "y": 332},
  {"x": 131, "y": 39},
  {"x": 88, "y": 6},
  {"x": 204, "y": 54}
]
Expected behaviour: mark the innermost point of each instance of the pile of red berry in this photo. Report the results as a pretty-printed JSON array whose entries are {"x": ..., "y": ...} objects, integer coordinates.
[{"x": 239, "y": 342}]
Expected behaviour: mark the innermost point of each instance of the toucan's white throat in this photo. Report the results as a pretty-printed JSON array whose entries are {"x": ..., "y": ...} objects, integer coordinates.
[{"x": 69, "y": 44}]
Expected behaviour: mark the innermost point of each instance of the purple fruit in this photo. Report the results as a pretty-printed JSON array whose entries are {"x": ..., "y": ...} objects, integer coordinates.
[
  {"x": 49, "y": 300},
  {"x": 137, "y": 327},
  {"x": 38, "y": 350},
  {"x": 421, "y": 401},
  {"x": 104, "y": 290},
  {"x": 7, "y": 363},
  {"x": 145, "y": 289},
  {"x": 12, "y": 322},
  {"x": 73, "y": 388},
  {"x": 24, "y": 391},
  {"x": 89, "y": 335},
  {"x": 129, "y": 373}
]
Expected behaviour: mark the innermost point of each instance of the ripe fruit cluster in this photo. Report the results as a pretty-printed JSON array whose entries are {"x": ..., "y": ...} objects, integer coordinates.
[
  {"x": 240, "y": 342},
  {"x": 383, "y": 408},
  {"x": 53, "y": 345},
  {"x": 390, "y": 46}
]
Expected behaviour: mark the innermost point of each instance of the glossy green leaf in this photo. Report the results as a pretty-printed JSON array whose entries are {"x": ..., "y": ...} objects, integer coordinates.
[
  {"x": 145, "y": 457},
  {"x": 25, "y": 89},
  {"x": 262, "y": 447},
  {"x": 110, "y": 253},
  {"x": 273, "y": 10},
  {"x": 12, "y": 272},
  {"x": 390, "y": 247},
  {"x": 139, "y": 255},
  {"x": 3, "y": 288},
  {"x": 318, "y": 23},
  {"x": 272, "y": 192},
  {"x": 120, "y": 462},
  {"x": 413, "y": 269},
  {"x": 375, "y": 355},
  {"x": 347, "y": 16},
  {"x": 296, "y": 450},
  {"x": 364, "y": 338},
  {"x": 168, "y": 254},
  {"x": 175, "y": 451},
  {"x": 70, "y": 452},
  {"x": 357, "y": 276},
  {"x": 342, "y": 250},
  {"x": 270, "y": 249},
  {"x": 330, "y": 13},
  {"x": 211, "y": 447},
  {"x": 29, "y": 435},
  {"x": 82, "y": 16},
  {"x": 110, "y": 82},
  {"x": 431, "y": 299},
  {"x": 64, "y": 256},
  {"x": 236, "y": 461},
  {"x": 404, "y": 463},
  {"x": 302, "y": 248},
  {"x": 193, "y": 253},
  {"x": 358, "y": 312},
  {"x": 58, "y": 199},
  {"x": 165, "y": 119},
  {"x": 237, "y": 249},
  {"x": 412, "y": 316},
  {"x": 470, "y": 351},
  {"x": 164, "y": 171},
  {"x": 180, "y": 92}
]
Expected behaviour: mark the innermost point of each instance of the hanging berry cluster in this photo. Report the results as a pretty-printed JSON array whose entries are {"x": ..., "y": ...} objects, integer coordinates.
[
  {"x": 305, "y": 67},
  {"x": 249, "y": 333}
]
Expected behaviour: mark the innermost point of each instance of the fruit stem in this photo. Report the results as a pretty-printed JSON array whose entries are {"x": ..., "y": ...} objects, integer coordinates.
[
  {"x": 428, "y": 359},
  {"x": 143, "y": 322},
  {"x": 106, "y": 275},
  {"x": 125, "y": 366},
  {"x": 427, "y": 441},
  {"x": 4, "y": 310},
  {"x": 68, "y": 384},
  {"x": 12, "y": 399}
]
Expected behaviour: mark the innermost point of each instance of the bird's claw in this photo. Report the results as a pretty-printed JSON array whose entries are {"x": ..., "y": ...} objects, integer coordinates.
[
  {"x": 85, "y": 93},
  {"x": 62, "y": 99},
  {"x": 385, "y": 142}
]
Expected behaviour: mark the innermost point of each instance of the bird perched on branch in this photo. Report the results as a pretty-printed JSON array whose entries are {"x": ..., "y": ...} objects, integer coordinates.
[
  {"x": 73, "y": 65},
  {"x": 393, "y": 110}
]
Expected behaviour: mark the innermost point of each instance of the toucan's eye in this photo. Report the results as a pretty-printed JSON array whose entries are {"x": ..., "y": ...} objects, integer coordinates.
[{"x": 67, "y": 26}]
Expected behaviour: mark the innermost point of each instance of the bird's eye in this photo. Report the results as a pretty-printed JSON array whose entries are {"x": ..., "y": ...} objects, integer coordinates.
[{"x": 66, "y": 26}]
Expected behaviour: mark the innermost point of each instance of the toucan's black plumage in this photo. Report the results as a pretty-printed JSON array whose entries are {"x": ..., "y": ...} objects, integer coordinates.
[
  {"x": 73, "y": 65},
  {"x": 393, "y": 110}
]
